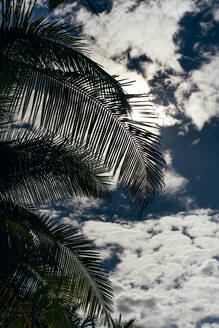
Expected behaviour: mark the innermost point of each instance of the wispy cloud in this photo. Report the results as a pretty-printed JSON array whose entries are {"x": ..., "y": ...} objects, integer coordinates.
[{"x": 195, "y": 142}]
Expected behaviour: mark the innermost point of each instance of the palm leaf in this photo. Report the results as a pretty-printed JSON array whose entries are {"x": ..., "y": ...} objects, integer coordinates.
[
  {"x": 29, "y": 298},
  {"x": 120, "y": 324},
  {"x": 79, "y": 99},
  {"x": 7, "y": 94},
  {"x": 53, "y": 266},
  {"x": 38, "y": 168},
  {"x": 68, "y": 104},
  {"x": 52, "y": 45},
  {"x": 93, "y": 323}
]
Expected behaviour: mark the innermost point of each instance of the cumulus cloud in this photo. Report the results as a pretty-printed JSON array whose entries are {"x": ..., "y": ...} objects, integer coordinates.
[
  {"x": 175, "y": 182},
  {"x": 75, "y": 210},
  {"x": 147, "y": 28},
  {"x": 144, "y": 29},
  {"x": 134, "y": 29},
  {"x": 167, "y": 274},
  {"x": 198, "y": 95},
  {"x": 215, "y": 11}
]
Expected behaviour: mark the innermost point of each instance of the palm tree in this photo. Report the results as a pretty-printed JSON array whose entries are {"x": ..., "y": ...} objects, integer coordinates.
[{"x": 65, "y": 131}]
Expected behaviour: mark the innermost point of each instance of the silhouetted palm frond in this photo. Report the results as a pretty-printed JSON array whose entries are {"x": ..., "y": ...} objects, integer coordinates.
[
  {"x": 63, "y": 91},
  {"x": 120, "y": 324},
  {"x": 50, "y": 268},
  {"x": 39, "y": 167},
  {"x": 43, "y": 44},
  {"x": 112, "y": 323},
  {"x": 67, "y": 104},
  {"x": 65, "y": 131}
]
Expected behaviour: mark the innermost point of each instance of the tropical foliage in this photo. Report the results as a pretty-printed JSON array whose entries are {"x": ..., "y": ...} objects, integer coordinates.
[
  {"x": 50, "y": 271},
  {"x": 65, "y": 130}
]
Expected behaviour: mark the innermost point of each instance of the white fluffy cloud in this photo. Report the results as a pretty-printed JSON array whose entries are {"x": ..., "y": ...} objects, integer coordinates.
[
  {"x": 215, "y": 10},
  {"x": 147, "y": 29},
  {"x": 168, "y": 270},
  {"x": 175, "y": 182},
  {"x": 203, "y": 103}
]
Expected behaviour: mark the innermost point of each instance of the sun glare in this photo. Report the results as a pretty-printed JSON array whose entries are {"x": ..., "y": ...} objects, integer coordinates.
[{"x": 163, "y": 116}]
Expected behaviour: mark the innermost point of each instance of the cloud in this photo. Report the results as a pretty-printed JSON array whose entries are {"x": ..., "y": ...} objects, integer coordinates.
[
  {"x": 138, "y": 29},
  {"x": 167, "y": 274},
  {"x": 131, "y": 30},
  {"x": 198, "y": 94},
  {"x": 75, "y": 210},
  {"x": 175, "y": 182},
  {"x": 149, "y": 29},
  {"x": 215, "y": 11},
  {"x": 146, "y": 28},
  {"x": 195, "y": 142}
]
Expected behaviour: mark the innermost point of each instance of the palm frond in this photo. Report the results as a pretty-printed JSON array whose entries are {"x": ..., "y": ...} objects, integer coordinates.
[
  {"x": 53, "y": 46},
  {"x": 79, "y": 99},
  {"x": 7, "y": 93},
  {"x": 120, "y": 324},
  {"x": 40, "y": 168},
  {"x": 53, "y": 265},
  {"x": 24, "y": 292},
  {"x": 68, "y": 104},
  {"x": 112, "y": 323}
]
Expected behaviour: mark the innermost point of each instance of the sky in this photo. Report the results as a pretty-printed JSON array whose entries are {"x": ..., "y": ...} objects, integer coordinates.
[{"x": 164, "y": 266}]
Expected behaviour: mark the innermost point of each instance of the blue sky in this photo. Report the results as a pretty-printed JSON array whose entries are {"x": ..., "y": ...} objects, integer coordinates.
[{"x": 164, "y": 265}]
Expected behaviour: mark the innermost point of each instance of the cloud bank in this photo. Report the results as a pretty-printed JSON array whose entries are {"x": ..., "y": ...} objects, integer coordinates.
[{"x": 166, "y": 272}]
